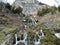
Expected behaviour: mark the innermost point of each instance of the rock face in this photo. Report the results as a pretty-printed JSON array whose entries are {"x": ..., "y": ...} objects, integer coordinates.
[{"x": 29, "y": 6}]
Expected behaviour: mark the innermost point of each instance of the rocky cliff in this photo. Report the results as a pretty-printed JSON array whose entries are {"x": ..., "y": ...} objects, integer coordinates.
[{"x": 29, "y": 6}]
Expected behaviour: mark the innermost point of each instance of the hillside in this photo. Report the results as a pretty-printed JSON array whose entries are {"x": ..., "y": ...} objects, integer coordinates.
[
  {"x": 13, "y": 22},
  {"x": 29, "y": 7}
]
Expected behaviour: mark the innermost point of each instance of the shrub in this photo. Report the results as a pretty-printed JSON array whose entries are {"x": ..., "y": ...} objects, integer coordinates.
[
  {"x": 17, "y": 10},
  {"x": 40, "y": 13},
  {"x": 44, "y": 11},
  {"x": 53, "y": 10},
  {"x": 8, "y": 6},
  {"x": 59, "y": 8},
  {"x": 57, "y": 42},
  {"x": 40, "y": 3}
]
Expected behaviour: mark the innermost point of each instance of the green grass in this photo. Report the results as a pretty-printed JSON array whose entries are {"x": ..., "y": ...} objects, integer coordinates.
[
  {"x": 10, "y": 29},
  {"x": 2, "y": 36},
  {"x": 58, "y": 21},
  {"x": 6, "y": 30},
  {"x": 57, "y": 24},
  {"x": 49, "y": 39}
]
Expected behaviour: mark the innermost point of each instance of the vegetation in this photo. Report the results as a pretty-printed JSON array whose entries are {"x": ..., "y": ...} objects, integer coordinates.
[
  {"x": 57, "y": 23},
  {"x": 59, "y": 8},
  {"x": 44, "y": 11},
  {"x": 2, "y": 35},
  {"x": 8, "y": 6},
  {"x": 10, "y": 30},
  {"x": 9, "y": 26},
  {"x": 57, "y": 42},
  {"x": 6, "y": 26},
  {"x": 49, "y": 39},
  {"x": 41, "y": 3},
  {"x": 53, "y": 10},
  {"x": 17, "y": 10}
]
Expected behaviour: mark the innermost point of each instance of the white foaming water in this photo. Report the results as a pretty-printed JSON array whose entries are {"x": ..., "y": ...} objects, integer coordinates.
[{"x": 57, "y": 35}]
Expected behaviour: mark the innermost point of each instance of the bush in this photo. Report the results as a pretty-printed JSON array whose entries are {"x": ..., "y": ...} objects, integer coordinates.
[
  {"x": 40, "y": 3},
  {"x": 53, "y": 10},
  {"x": 8, "y": 6},
  {"x": 44, "y": 11},
  {"x": 17, "y": 10},
  {"x": 59, "y": 8},
  {"x": 40, "y": 13},
  {"x": 57, "y": 42}
]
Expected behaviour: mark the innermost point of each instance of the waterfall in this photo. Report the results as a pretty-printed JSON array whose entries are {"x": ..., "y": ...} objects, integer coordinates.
[
  {"x": 36, "y": 40},
  {"x": 22, "y": 41}
]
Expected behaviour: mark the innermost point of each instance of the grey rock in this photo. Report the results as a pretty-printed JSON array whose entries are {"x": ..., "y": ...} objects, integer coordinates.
[{"x": 29, "y": 6}]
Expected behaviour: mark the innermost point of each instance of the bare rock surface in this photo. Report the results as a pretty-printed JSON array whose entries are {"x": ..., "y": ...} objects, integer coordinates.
[{"x": 29, "y": 6}]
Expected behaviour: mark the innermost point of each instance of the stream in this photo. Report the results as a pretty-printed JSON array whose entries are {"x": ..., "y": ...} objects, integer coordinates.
[{"x": 25, "y": 36}]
